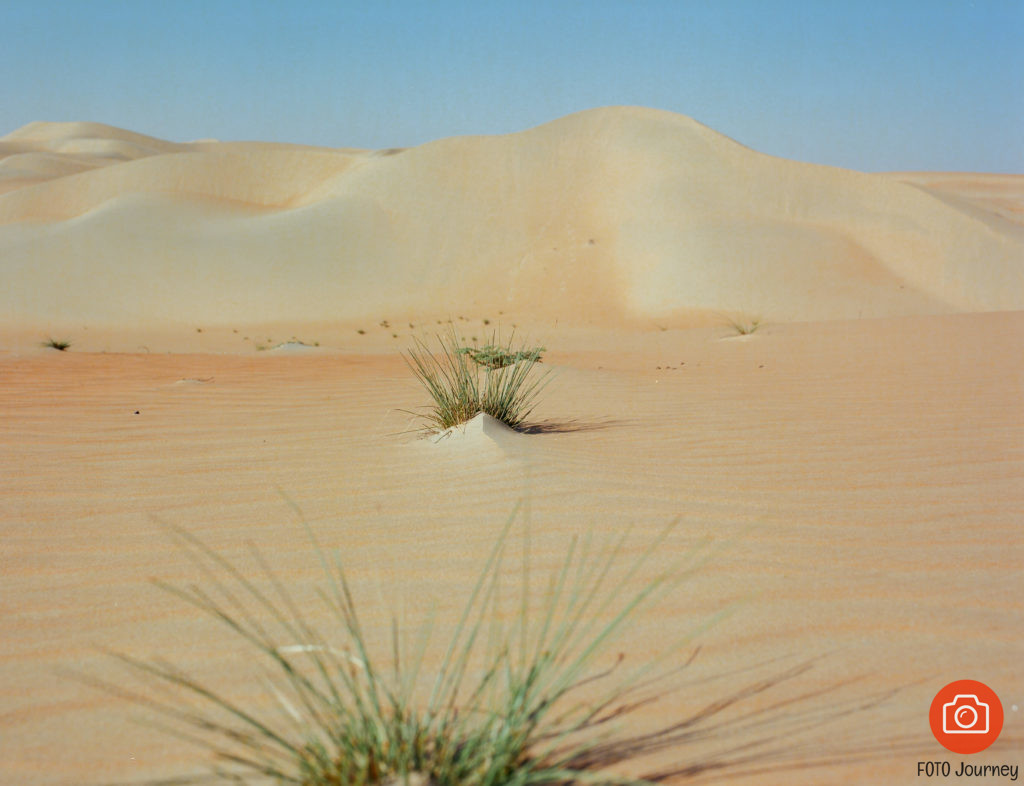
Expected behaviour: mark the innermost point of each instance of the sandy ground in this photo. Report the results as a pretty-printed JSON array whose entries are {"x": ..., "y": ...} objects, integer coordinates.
[
  {"x": 236, "y": 313},
  {"x": 863, "y": 480}
]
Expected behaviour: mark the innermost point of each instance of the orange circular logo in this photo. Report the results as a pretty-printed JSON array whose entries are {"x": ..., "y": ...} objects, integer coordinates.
[{"x": 966, "y": 716}]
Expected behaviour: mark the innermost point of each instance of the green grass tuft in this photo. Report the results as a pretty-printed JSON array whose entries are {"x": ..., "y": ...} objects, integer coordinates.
[
  {"x": 464, "y": 381},
  {"x": 502, "y": 709},
  {"x": 518, "y": 695},
  {"x": 494, "y": 357}
]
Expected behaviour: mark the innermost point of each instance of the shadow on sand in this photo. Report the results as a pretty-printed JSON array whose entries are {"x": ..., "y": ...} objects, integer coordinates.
[
  {"x": 759, "y": 728},
  {"x": 571, "y": 426}
]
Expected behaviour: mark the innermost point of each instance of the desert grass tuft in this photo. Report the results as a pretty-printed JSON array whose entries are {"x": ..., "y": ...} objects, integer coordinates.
[
  {"x": 58, "y": 344},
  {"x": 500, "y": 710},
  {"x": 516, "y": 695},
  {"x": 743, "y": 325},
  {"x": 463, "y": 381}
]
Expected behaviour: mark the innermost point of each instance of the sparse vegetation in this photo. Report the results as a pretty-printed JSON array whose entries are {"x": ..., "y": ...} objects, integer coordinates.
[
  {"x": 464, "y": 381},
  {"x": 502, "y": 707},
  {"x": 501, "y": 357},
  {"x": 744, "y": 326},
  {"x": 59, "y": 345}
]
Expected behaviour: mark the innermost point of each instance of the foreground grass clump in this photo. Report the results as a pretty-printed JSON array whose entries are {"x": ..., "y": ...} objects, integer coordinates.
[
  {"x": 502, "y": 708},
  {"x": 464, "y": 381}
]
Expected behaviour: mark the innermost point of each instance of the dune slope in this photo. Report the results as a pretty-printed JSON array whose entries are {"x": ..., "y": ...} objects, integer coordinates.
[{"x": 617, "y": 214}]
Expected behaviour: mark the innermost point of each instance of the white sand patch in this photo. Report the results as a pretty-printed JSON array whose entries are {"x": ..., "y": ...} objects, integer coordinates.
[
  {"x": 482, "y": 431},
  {"x": 294, "y": 348}
]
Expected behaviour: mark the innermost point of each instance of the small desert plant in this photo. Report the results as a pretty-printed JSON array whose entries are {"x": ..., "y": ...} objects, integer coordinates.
[
  {"x": 53, "y": 343},
  {"x": 494, "y": 357},
  {"x": 464, "y": 381},
  {"x": 502, "y": 709},
  {"x": 744, "y": 325}
]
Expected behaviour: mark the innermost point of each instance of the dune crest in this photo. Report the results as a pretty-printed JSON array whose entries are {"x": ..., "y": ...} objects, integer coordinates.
[{"x": 618, "y": 215}]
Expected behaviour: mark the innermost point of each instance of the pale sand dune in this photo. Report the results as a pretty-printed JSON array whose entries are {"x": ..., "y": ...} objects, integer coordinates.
[
  {"x": 618, "y": 215},
  {"x": 18, "y": 170},
  {"x": 96, "y": 138},
  {"x": 991, "y": 193},
  {"x": 863, "y": 480}
]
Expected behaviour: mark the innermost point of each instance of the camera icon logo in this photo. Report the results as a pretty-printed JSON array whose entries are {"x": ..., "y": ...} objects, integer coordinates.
[{"x": 966, "y": 714}]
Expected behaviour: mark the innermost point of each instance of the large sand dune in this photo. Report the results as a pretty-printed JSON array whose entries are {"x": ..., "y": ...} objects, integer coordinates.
[{"x": 619, "y": 214}]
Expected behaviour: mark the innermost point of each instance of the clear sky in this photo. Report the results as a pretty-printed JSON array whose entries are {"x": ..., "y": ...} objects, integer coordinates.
[{"x": 866, "y": 84}]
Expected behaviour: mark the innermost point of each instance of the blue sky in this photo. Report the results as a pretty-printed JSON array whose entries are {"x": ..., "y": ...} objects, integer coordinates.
[{"x": 866, "y": 84}]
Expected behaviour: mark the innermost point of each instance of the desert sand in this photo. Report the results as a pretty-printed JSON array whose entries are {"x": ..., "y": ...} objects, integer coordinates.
[{"x": 236, "y": 313}]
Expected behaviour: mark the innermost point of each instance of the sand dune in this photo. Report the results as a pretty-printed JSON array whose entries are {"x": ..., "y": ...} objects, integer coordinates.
[
  {"x": 93, "y": 138},
  {"x": 18, "y": 170},
  {"x": 620, "y": 214}
]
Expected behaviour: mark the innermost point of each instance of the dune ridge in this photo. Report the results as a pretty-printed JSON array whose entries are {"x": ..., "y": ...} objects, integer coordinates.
[{"x": 620, "y": 215}]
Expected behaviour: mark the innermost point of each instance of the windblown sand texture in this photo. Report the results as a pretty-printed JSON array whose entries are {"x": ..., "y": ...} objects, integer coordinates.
[{"x": 856, "y": 461}]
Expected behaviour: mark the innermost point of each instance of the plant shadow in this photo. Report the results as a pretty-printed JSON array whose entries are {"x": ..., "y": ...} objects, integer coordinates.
[
  {"x": 571, "y": 426},
  {"x": 735, "y": 739}
]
